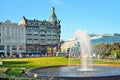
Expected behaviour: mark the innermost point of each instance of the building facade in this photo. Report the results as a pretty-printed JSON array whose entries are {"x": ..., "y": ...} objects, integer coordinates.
[
  {"x": 42, "y": 36},
  {"x": 12, "y": 39},
  {"x": 95, "y": 39},
  {"x": 105, "y": 38},
  {"x": 70, "y": 43}
]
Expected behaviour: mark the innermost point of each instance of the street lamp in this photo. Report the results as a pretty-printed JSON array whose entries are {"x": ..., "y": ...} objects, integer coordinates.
[
  {"x": 23, "y": 69},
  {"x": 1, "y": 62},
  {"x": 58, "y": 47}
]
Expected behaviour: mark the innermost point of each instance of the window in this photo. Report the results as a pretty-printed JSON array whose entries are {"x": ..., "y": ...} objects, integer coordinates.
[
  {"x": 14, "y": 47},
  {"x": 1, "y": 47},
  {"x": 3, "y": 29},
  {"x": 8, "y": 48},
  {"x": 29, "y": 39},
  {"x": 35, "y": 41},
  {"x": 22, "y": 29},
  {"x": 21, "y": 47},
  {"x": 29, "y": 34},
  {"x": 42, "y": 40}
]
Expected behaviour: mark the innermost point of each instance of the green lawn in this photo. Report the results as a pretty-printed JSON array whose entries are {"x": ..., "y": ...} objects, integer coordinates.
[{"x": 15, "y": 64}]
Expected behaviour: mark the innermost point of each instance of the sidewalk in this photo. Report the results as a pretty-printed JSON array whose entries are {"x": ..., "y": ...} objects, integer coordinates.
[{"x": 24, "y": 75}]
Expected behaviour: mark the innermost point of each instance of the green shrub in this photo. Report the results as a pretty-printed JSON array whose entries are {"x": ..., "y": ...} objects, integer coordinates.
[{"x": 117, "y": 52}]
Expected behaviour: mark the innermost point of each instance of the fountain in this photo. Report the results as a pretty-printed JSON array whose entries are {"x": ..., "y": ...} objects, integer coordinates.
[
  {"x": 82, "y": 47},
  {"x": 86, "y": 71}
]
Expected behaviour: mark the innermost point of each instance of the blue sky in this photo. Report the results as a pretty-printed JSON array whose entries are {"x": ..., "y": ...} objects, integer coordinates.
[{"x": 94, "y": 16}]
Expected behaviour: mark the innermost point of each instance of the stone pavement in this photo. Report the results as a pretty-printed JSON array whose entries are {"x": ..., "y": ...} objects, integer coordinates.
[{"x": 24, "y": 75}]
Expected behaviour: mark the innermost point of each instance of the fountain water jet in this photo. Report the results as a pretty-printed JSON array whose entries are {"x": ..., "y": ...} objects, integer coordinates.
[{"x": 84, "y": 51}]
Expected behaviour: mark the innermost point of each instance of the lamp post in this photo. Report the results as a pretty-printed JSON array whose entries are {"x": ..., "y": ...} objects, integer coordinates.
[
  {"x": 58, "y": 47},
  {"x": 1, "y": 62},
  {"x": 23, "y": 69}
]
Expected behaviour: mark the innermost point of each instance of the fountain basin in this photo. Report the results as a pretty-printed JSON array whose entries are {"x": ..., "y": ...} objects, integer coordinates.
[{"x": 73, "y": 72}]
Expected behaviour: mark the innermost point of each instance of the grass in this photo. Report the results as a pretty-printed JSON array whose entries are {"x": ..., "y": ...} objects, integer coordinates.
[
  {"x": 105, "y": 61},
  {"x": 3, "y": 69},
  {"x": 15, "y": 64}
]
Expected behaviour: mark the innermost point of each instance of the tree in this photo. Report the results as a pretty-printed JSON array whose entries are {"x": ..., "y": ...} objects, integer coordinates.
[
  {"x": 100, "y": 48},
  {"x": 106, "y": 48},
  {"x": 116, "y": 52},
  {"x": 115, "y": 46}
]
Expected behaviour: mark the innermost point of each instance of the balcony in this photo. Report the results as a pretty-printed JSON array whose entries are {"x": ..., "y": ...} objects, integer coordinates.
[
  {"x": 43, "y": 42},
  {"x": 42, "y": 33},
  {"x": 35, "y": 41},
  {"x": 35, "y": 32}
]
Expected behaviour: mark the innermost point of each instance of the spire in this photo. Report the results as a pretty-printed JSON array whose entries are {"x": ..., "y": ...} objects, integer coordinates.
[
  {"x": 53, "y": 17},
  {"x": 23, "y": 21}
]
